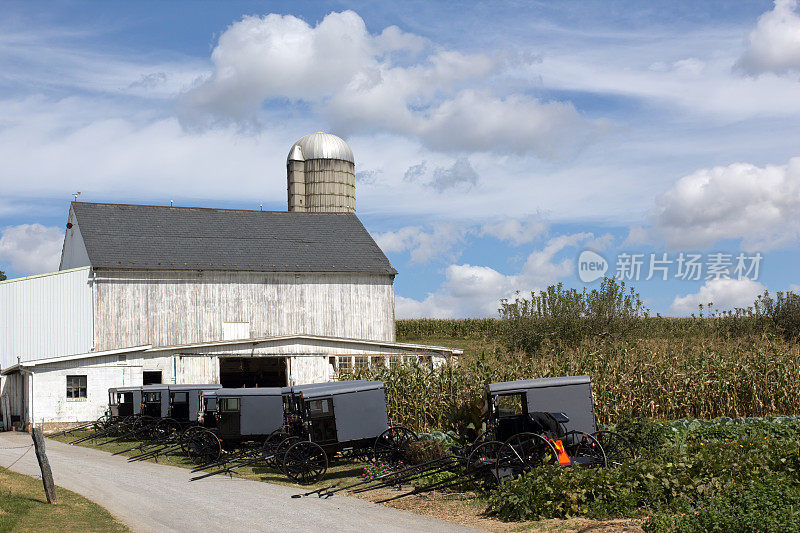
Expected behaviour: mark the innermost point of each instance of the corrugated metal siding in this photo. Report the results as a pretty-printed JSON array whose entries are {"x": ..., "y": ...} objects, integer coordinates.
[{"x": 46, "y": 316}]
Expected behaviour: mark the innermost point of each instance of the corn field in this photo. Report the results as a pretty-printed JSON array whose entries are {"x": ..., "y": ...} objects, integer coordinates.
[{"x": 697, "y": 376}]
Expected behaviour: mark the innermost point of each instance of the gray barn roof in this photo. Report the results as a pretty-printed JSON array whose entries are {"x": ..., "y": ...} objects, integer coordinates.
[{"x": 179, "y": 238}]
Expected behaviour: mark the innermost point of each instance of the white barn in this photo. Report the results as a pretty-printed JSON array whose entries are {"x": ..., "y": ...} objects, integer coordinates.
[{"x": 156, "y": 294}]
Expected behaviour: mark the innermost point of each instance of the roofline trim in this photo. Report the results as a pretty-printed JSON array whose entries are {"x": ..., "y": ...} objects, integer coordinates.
[
  {"x": 102, "y": 268},
  {"x": 45, "y": 275},
  {"x": 216, "y": 208},
  {"x": 260, "y": 340},
  {"x": 87, "y": 355}
]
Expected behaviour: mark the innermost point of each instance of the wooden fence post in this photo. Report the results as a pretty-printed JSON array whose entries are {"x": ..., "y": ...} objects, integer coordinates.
[{"x": 44, "y": 465}]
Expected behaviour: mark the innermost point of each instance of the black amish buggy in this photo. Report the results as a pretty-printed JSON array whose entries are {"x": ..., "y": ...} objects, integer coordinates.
[
  {"x": 303, "y": 427},
  {"x": 169, "y": 415},
  {"x": 124, "y": 408},
  {"x": 156, "y": 415},
  {"x": 545, "y": 421},
  {"x": 238, "y": 417},
  {"x": 340, "y": 417},
  {"x": 124, "y": 402},
  {"x": 529, "y": 423}
]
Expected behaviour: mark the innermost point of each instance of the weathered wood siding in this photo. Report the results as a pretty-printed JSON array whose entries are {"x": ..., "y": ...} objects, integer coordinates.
[
  {"x": 304, "y": 370},
  {"x": 196, "y": 369},
  {"x": 173, "y": 308}
]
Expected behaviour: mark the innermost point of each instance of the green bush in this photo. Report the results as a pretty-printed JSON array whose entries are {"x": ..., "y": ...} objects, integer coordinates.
[
  {"x": 771, "y": 505},
  {"x": 682, "y": 477},
  {"x": 560, "y": 315},
  {"x": 646, "y": 436}
]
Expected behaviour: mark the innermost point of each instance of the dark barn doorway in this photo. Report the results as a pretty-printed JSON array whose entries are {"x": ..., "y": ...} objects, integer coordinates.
[
  {"x": 151, "y": 377},
  {"x": 235, "y": 372}
]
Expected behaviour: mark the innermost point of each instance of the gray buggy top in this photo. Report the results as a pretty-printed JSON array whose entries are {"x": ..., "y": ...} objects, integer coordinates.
[
  {"x": 571, "y": 395},
  {"x": 185, "y": 400},
  {"x": 358, "y": 407},
  {"x": 260, "y": 409},
  {"x": 117, "y": 395},
  {"x": 169, "y": 391}
]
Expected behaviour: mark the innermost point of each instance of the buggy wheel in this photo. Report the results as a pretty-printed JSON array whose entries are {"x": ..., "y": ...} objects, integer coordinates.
[
  {"x": 281, "y": 448},
  {"x": 392, "y": 444},
  {"x": 521, "y": 452},
  {"x": 142, "y": 426},
  {"x": 618, "y": 449},
  {"x": 270, "y": 446},
  {"x": 482, "y": 463},
  {"x": 166, "y": 429},
  {"x": 103, "y": 422},
  {"x": 186, "y": 437},
  {"x": 305, "y": 462},
  {"x": 583, "y": 449},
  {"x": 486, "y": 436},
  {"x": 203, "y": 446}
]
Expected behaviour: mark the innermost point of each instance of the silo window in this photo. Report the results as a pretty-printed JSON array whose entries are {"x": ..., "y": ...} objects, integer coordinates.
[{"x": 76, "y": 387}]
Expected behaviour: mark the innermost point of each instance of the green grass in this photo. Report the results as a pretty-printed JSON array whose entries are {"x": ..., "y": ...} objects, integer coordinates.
[{"x": 23, "y": 507}]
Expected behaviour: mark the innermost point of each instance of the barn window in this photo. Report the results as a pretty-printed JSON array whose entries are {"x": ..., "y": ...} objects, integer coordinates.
[
  {"x": 362, "y": 361},
  {"x": 344, "y": 364},
  {"x": 395, "y": 360},
  {"x": 76, "y": 387}
]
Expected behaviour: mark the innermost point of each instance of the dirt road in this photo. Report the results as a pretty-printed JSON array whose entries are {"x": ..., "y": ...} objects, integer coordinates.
[{"x": 151, "y": 497}]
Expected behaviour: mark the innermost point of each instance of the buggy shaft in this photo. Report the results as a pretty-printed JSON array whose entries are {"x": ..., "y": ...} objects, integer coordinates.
[
  {"x": 410, "y": 476},
  {"x": 389, "y": 474}
]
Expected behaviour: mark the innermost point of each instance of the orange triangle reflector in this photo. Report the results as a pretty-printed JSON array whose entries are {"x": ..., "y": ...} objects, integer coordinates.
[{"x": 563, "y": 458}]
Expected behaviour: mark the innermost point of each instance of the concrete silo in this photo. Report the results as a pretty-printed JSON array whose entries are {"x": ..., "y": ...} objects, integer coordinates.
[{"x": 320, "y": 175}]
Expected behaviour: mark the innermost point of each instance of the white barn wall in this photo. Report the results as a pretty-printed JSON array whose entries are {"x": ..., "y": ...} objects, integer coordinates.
[
  {"x": 303, "y": 370},
  {"x": 196, "y": 369},
  {"x": 48, "y": 384},
  {"x": 46, "y": 316},
  {"x": 173, "y": 308},
  {"x": 45, "y": 383},
  {"x": 73, "y": 253}
]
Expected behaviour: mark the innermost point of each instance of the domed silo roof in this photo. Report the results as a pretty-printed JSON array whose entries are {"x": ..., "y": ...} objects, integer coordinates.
[{"x": 320, "y": 145}]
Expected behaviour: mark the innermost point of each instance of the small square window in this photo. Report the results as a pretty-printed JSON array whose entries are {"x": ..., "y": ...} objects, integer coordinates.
[
  {"x": 230, "y": 405},
  {"x": 76, "y": 387},
  {"x": 344, "y": 364},
  {"x": 362, "y": 361}
]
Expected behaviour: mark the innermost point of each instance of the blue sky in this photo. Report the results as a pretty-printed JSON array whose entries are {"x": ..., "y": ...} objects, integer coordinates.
[{"x": 494, "y": 142}]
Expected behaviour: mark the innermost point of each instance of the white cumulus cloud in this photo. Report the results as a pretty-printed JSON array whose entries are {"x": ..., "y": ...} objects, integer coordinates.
[
  {"x": 516, "y": 231},
  {"x": 774, "y": 45},
  {"x": 724, "y": 294},
  {"x": 355, "y": 79},
  {"x": 475, "y": 290},
  {"x": 760, "y": 205},
  {"x": 31, "y": 248},
  {"x": 435, "y": 243}
]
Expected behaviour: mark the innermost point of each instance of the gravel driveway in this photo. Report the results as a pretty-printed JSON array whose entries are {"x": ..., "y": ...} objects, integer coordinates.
[{"x": 151, "y": 497}]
